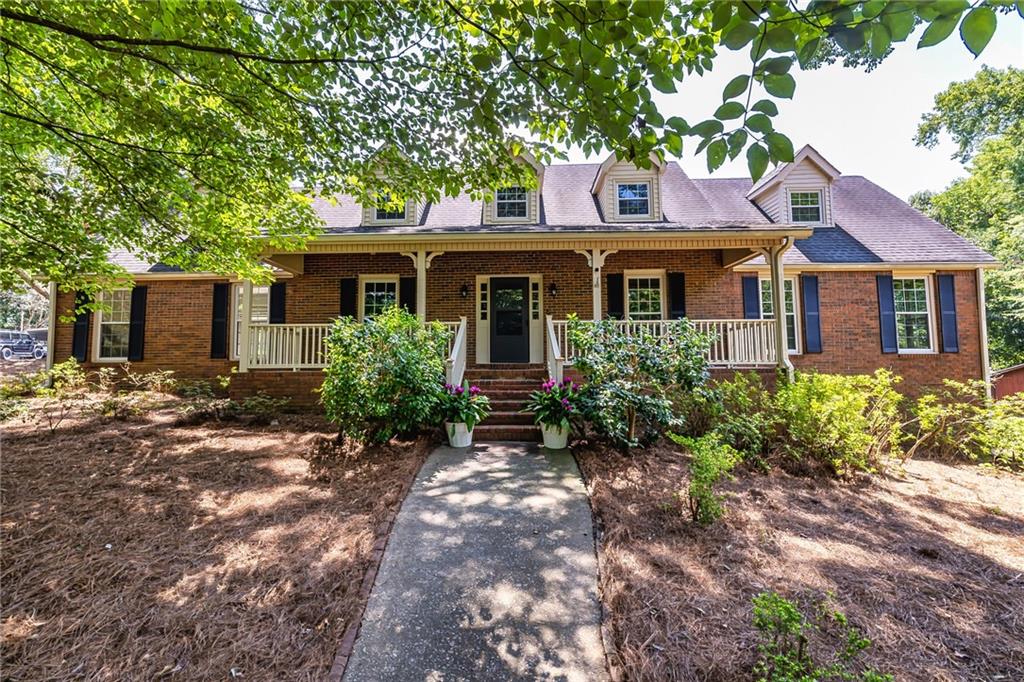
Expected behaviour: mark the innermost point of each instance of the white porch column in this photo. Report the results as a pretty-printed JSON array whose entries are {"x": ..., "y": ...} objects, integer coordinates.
[
  {"x": 986, "y": 371},
  {"x": 422, "y": 259},
  {"x": 595, "y": 259},
  {"x": 778, "y": 278},
  {"x": 245, "y": 315}
]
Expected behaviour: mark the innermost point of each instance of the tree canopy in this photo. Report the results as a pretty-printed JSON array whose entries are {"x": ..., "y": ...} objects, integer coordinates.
[
  {"x": 985, "y": 117},
  {"x": 178, "y": 129}
]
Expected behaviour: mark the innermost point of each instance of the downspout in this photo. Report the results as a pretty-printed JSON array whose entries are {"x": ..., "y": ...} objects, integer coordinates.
[
  {"x": 779, "y": 305},
  {"x": 986, "y": 372}
]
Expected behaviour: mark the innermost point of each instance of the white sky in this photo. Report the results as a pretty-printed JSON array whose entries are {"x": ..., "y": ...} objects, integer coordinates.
[{"x": 864, "y": 123}]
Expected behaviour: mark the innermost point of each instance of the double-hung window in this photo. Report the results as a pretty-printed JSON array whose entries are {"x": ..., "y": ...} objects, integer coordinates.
[
  {"x": 259, "y": 312},
  {"x": 644, "y": 296},
  {"x": 912, "y": 305},
  {"x": 510, "y": 202},
  {"x": 112, "y": 324},
  {"x": 378, "y": 293},
  {"x": 805, "y": 207},
  {"x": 385, "y": 213},
  {"x": 634, "y": 198},
  {"x": 789, "y": 300}
]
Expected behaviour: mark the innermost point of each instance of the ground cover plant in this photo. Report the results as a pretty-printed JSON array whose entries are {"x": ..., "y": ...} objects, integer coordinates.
[{"x": 149, "y": 548}]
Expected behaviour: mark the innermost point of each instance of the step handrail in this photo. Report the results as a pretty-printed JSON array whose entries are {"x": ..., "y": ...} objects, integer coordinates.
[
  {"x": 455, "y": 363},
  {"x": 555, "y": 360}
]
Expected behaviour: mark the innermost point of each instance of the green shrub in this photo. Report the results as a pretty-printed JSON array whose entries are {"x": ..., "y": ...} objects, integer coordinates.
[
  {"x": 962, "y": 422},
  {"x": 710, "y": 462},
  {"x": 848, "y": 423},
  {"x": 629, "y": 378},
  {"x": 11, "y": 407},
  {"x": 747, "y": 418},
  {"x": 384, "y": 376},
  {"x": 262, "y": 408},
  {"x": 783, "y": 653},
  {"x": 464, "y": 404}
]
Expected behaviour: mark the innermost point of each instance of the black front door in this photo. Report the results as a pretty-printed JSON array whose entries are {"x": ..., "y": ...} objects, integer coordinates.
[{"x": 510, "y": 322}]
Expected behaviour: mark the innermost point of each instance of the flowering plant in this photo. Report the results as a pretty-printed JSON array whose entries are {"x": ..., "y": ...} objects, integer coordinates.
[
  {"x": 554, "y": 403},
  {"x": 464, "y": 404}
]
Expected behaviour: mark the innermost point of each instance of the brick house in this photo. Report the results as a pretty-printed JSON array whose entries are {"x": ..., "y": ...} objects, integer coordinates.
[{"x": 864, "y": 280}]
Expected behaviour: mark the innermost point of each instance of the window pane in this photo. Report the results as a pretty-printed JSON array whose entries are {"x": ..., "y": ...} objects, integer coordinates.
[
  {"x": 114, "y": 340},
  {"x": 259, "y": 311},
  {"x": 805, "y": 207},
  {"x": 790, "y": 305},
  {"x": 377, "y": 296},
  {"x": 644, "y": 298},
  {"x": 389, "y": 214},
  {"x": 113, "y": 323},
  {"x": 511, "y": 202},
  {"x": 634, "y": 199},
  {"x": 910, "y": 297}
]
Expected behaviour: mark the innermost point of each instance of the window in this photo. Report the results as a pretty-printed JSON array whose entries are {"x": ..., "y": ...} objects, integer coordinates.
[
  {"x": 388, "y": 213},
  {"x": 767, "y": 313},
  {"x": 112, "y": 325},
  {"x": 805, "y": 207},
  {"x": 644, "y": 297},
  {"x": 378, "y": 294},
  {"x": 511, "y": 203},
  {"x": 634, "y": 198},
  {"x": 259, "y": 312},
  {"x": 912, "y": 300}
]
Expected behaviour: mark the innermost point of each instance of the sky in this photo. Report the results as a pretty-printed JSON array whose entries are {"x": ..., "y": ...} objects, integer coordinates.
[{"x": 863, "y": 123}]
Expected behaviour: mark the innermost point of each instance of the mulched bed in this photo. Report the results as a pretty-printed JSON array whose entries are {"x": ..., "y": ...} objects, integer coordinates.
[
  {"x": 141, "y": 550},
  {"x": 929, "y": 562}
]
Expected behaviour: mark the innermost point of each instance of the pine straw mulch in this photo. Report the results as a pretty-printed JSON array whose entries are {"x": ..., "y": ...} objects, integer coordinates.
[
  {"x": 928, "y": 561},
  {"x": 145, "y": 550}
]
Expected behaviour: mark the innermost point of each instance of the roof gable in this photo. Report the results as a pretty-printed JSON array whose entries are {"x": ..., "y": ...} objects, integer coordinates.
[{"x": 807, "y": 153}]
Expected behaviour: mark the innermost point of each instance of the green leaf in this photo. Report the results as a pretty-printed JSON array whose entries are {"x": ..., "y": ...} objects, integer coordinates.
[
  {"x": 780, "y": 85},
  {"x": 880, "y": 40},
  {"x": 780, "y": 147},
  {"x": 736, "y": 141},
  {"x": 739, "y": 35},
  {"x": 650, "y": 9},
  {"x": 729, "y": 111},
  {"x": 736, "y": 87},
  {"x": 716, "y": 155},
  {"x": 678, "y": 124},
  {"x": 674, "y": 143},
  {"x": 721, "y": 15},
  {"x": 808, "y": 51},
  {"x": 781, "y": 39},
  {"x": 541, "y": 39},
  {"x": 757, "y": 161},
  {"x": 766, "y": 106},
  {"x": 663, "y": 82},
  {"x": 776, "y": 65},
  {"x": 977, "y": 29},
  {"x": 899, "y": 22},
  {"x": 482, "y": 61},
  {"x": 759, "y": 123},
  {"x": 938, "y": 31},
  {"x": 707, "y": 128}
]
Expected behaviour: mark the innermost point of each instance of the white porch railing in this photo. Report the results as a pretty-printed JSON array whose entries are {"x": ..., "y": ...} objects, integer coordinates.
[
  {"x": 304, "y": 346},
  {"x": 555, "y": 357},
  {"x": 737, "y": 343},
  {"x": 455, "y": 363}
]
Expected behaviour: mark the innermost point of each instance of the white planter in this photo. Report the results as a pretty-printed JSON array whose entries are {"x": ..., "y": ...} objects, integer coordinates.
[
  {"x": 555, "y": 437},
  {"x": 458, "y": 435}
]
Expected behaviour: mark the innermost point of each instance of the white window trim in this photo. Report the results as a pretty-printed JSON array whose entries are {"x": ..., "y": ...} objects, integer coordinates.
[
  {"x": 796, "y": 311},
  {"x": 98, "y": 326},
  {"x": 644, "y": 274},
  {"x": 495, "y": 218},
  {"x": 650, "y": 200},
  {"x": 930, "y": 310},
  {"x": 235, "y": 295},
  {"x": 410, "y": 209},
  {"x": 374, "y": 279},
  {"x": 820, "y": 191}
]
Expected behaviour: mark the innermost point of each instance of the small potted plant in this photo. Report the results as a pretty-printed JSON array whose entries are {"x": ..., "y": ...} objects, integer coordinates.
[
  {"x": 552, "y": 406},
  {"x": 464, "y": 407}
]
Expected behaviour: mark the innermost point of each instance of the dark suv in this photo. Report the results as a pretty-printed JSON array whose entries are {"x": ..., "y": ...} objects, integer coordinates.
[{"x": 20, "y": 345}]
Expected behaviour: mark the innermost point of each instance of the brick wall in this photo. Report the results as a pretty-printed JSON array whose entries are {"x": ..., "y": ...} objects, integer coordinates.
[{"x": 178, "y": 316}]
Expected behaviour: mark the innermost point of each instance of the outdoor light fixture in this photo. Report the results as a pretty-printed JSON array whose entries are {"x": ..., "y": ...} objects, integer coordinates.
[
  {"x": 552, "y": 290},
  {"x": 464, "y": 291}
]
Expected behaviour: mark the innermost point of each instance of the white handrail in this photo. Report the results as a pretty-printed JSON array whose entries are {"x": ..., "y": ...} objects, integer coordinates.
[
  {"x": 455, "y": 363},
  {"x": 555, "y": 359},
  {"x": 736, "y": 343}
]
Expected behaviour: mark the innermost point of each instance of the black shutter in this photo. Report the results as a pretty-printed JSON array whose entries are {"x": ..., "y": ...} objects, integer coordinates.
[
  {"x": 676, "y": 295},
  {"x": 812, "y": 314},
  {"x": 947, "y": 314},
  {"x": 276, "y": 315},
  {"x": 137, "y": 325},
  {"x": 80, "y": 334},
  {"x": 886, "y": 314},
  {"x": 219, "y": 328},
  {"x": 349, "y": 304},
  {"x": 616, "y": 299},
  {"x": 407, "y": 293},
  {"x": 751, "y": 298}
]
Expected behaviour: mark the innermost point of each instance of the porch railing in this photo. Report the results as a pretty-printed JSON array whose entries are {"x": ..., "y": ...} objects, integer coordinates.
[
  {"x": 455, "y": 363},
  {"x": 555, "y": 357},
  {"x": 737, "y": 343},
  {"x": 304, "y": 346}
]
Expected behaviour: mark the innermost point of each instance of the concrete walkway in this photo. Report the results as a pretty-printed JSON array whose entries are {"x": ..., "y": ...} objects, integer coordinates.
[{"x": 489, "y": 574}]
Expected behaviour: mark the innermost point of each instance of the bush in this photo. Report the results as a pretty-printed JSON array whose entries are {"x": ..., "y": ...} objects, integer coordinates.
[
  {"x": 783, "y": 652},
  {"x": 629, "y": 378},
  {"x": 120, "y": 405},
  {"x": 555, "y": 403},
  {"x": 962, "y": 422},
  {"x": 710, "y": 462},
  {"x": 464, "y": 404},
  {"x": 384, "y": 376},
  {"x": 747, "y": 419},
  {"x": 848, "y": 423},
  {"x": 262, "y": 408}
]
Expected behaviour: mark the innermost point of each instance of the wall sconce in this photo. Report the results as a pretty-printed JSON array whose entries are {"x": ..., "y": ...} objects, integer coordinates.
[
  {"x": 552, "y": 290},
  {"x": 464, "y": 291}
]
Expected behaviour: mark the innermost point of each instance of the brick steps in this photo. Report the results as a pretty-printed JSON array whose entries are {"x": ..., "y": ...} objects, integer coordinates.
[
  {"x": 487, "y": 432},
  {"x": 508, "y": 387}
]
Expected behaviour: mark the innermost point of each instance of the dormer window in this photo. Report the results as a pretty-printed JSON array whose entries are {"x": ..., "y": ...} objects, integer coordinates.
[
  {"x": 805, "y": 207},
  {"x": 386, "y": 214},
  {"x": 634, "y": 198},
  {"x": 511, "y": 202}
]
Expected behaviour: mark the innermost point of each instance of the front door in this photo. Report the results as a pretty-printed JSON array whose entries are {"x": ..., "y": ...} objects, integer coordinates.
[{"x": 510, "y": 322}]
